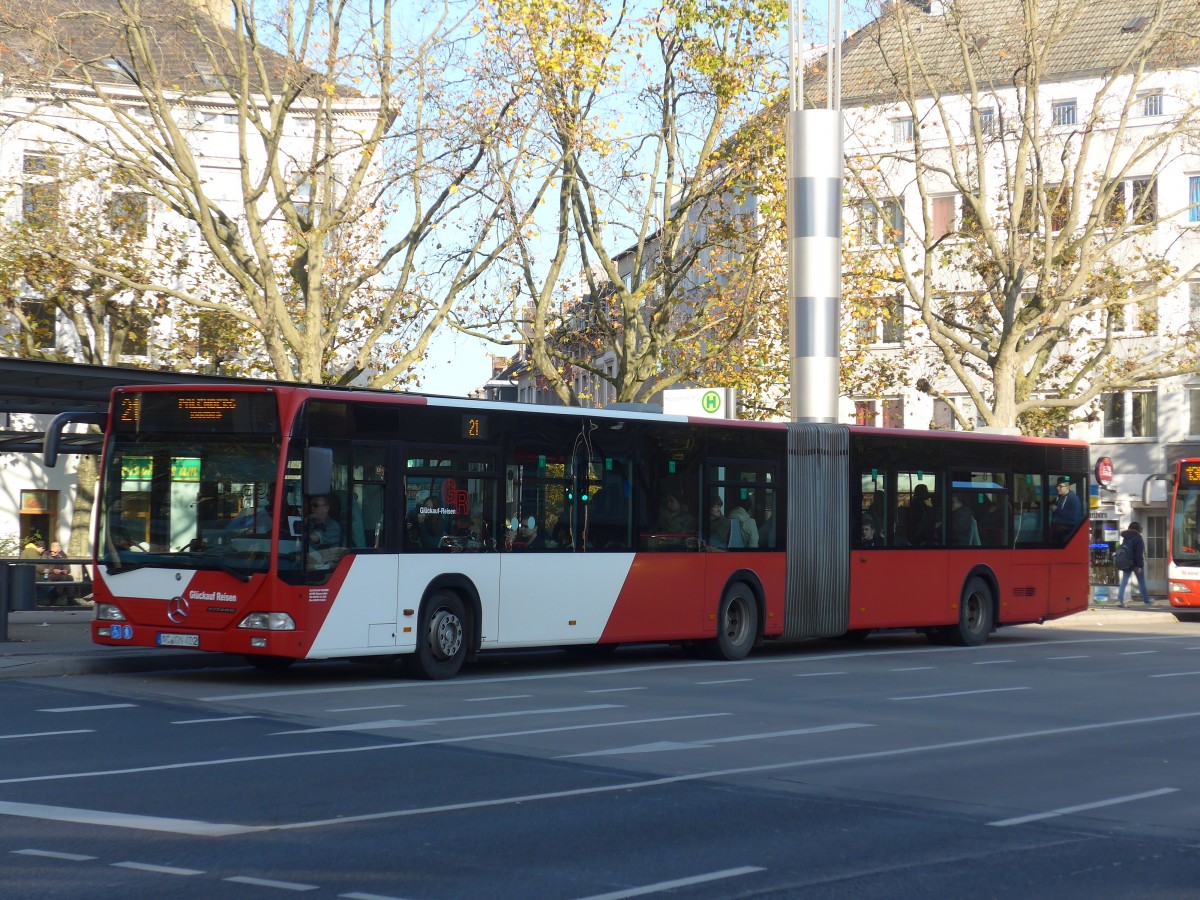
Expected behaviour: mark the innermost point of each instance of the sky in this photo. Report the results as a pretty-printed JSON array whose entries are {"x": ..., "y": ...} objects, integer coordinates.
[{"x": 457, "y": 364}]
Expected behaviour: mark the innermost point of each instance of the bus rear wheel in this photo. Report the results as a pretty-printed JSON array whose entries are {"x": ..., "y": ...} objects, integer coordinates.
[
  {"x": 975, "y": 615},
  {"x": 441, "y": 638},
  {"x": 737, "y": 624}
]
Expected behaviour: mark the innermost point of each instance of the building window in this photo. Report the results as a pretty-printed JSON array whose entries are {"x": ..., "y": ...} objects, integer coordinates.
[
  {"x": 1194, "y": 412},
  {"x": 884, "y": 324},
  {"x": 942, "y": 217},
  {"x": 987, "y": 121},
  {"x": 1063, "y": 112},
  {"x": 866, "y": 413},
  {"x": 1130, "y": 414},
  {"x": 1134, "y": 200},
  {"x": 877, "y": 222},
  {"x": 128, "y": 210},
  {"x": 902, "y": 130},
  {"x": 1149, "y": 103},
  {"x": 40, "y": 319},
  {"x": 41, "y": 191},
  {"x": 1194, "y": 198}
]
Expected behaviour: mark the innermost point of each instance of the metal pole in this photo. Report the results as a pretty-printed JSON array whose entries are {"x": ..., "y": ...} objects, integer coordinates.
[
  {"x": 815, "y": 159},
  {"x": 4, "y": 570}
]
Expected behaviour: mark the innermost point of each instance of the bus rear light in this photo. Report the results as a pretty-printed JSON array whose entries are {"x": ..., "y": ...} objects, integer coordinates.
[
  {"x": 261, "y": 643},
  {"x": 106, "y": 612},
  {"x": 275, "y": 621}
]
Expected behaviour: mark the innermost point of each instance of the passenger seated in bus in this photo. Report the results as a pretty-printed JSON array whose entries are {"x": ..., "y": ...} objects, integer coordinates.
[
  {"x": 673, "y": 516},
  {"x": 871, "y": 539},
  {"x": 424, "y": 528},
  {"x": 324, "y": 532},
  {"x": 963, "y": 529},
  {"x": 718, "y": 525},
  {"x": 920, "y": 524},
  {"x": 529, "y": 535},
  {"x": 744, "y": 516},
  {"x": 560, "y": 534}
]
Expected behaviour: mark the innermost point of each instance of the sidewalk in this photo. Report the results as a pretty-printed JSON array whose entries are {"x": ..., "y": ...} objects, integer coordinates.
[{"x": 56, "y": 642}]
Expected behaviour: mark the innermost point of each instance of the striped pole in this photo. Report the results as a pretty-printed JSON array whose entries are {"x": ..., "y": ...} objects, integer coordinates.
[{"x": 815, "y": 148}]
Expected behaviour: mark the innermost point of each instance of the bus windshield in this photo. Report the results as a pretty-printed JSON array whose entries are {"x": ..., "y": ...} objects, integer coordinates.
[
  {"x": 203, "y": 502},
  {"x": 1185, "y": 531}
]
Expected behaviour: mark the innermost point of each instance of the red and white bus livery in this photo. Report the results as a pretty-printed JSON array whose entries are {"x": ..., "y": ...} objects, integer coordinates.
[
  {"x": 287, "y": 522},
  {"x": 1183, "y": 541}
]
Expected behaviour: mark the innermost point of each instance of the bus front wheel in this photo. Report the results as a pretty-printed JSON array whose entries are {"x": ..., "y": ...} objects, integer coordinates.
[
  {"x": 441, "y": 639},
  {"x": 975, "y": 615},
  {"x": 737, "y": 623}
]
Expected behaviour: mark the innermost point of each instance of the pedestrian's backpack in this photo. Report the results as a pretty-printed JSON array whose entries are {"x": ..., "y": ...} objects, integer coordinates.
[{"x": 1123, "y": 558}]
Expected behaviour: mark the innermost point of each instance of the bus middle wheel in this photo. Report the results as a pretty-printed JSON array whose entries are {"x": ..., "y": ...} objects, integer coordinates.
[
  {"x": 441, "y": 638},
  {"x": 737, "y": 623},
  {"x": 975, "y": 615}
]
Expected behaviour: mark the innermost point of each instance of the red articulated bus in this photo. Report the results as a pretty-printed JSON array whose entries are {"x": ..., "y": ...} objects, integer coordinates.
[
  {"x": 1183, "y": 541},
  {"x": 288, "y": 522}
]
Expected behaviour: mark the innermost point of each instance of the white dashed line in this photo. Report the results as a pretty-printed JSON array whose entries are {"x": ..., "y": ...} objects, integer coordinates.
[
  {"x": 160, "y": 870},
  {"x": 266, "y": 882},
  {"x": 959, "y": 693},
  {"x": 41, "y": 734},
  {"x": 1067, "y": 810},
  {"x": 54, "y": 854},
  {"x": 677, "y": 883},
  {"x": 71, "y": 709}
]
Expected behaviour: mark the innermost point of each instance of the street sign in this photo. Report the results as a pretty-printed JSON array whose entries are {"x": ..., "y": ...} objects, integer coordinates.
[{"x": 709, "y": 403}]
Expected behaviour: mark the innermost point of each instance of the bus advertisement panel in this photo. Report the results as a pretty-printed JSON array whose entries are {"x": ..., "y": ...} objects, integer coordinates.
[{"x": 289, "y": 522}]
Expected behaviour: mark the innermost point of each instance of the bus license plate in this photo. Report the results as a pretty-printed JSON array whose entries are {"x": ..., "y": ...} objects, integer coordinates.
[{"x": 179, "y": 640}]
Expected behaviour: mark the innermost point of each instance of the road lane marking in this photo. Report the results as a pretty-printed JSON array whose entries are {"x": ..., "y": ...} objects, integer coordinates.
[
  {"x": 1067, "y": 810},
  {"x": 161, "y": 870},
  {"x": 817, "y": 674},
  {"x": 490, "y": 699},
  {"x": 360, "y": 896},
  {"x": 212, "y": 721},
  {"x": 960, "y": 693},
  {"x": 41, "y": 734},
  {"x": 1080, "y": 656},
  {"x": 468, "y": 681},
  {"x": 994, "y": 662},
  {"x": 677, "y": 883},
  {"x": 1135, "y": 652},
  {"x": 346, "y": 709},
  {"x": 54, "y": 854},
  {"x": 371, "y": 748},
  {"x": 1174, "y": 674},
  {"x": 414, "y": 723},
  {"x": 71, "y": 709},
  {"x": 725, "y": 681},
  {"x": 915, "y": 669},
  {"x": 660, "y": 746},
  {"x": 215, "y": 829},
  {"x": 614, "y": 690},
  {"x": 122, "y": 820},
  {"x": 267, "y": 882}
]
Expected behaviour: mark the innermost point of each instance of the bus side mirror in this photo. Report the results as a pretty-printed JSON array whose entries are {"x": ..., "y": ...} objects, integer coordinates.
[
  {"x": 1148, "y": 488},
  {"x": 318, "y": 471},
  {"x": 55, "y": 430}
]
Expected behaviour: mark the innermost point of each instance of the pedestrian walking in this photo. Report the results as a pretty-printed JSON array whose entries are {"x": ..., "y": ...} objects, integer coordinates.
[{"x": 1132, "y": 553}]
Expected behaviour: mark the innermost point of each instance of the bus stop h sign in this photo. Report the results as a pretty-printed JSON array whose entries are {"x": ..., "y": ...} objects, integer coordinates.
[{"x": 709, "y": 403}]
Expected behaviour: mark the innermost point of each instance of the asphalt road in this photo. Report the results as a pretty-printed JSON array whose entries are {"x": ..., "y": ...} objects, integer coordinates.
[{"x": 1048, "y": 763}]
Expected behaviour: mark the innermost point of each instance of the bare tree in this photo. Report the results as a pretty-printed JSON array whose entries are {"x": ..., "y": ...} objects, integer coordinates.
[
  {"x": 623, "y": 277},
  {"x": 1035, "y": 241},
  {"x": 357, "y": 215}
]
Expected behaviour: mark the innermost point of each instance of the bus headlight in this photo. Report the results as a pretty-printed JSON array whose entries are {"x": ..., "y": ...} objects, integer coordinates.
[
  {"x": 275, "y": 621},
  {"x": 1178, "y": 587},
  {"x": 106, "y": 612}
]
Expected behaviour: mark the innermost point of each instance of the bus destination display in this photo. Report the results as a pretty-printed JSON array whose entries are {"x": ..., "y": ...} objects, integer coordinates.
[
  {"x": 169, "y": 413},
  {"x": 1191, "y": 474}
]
